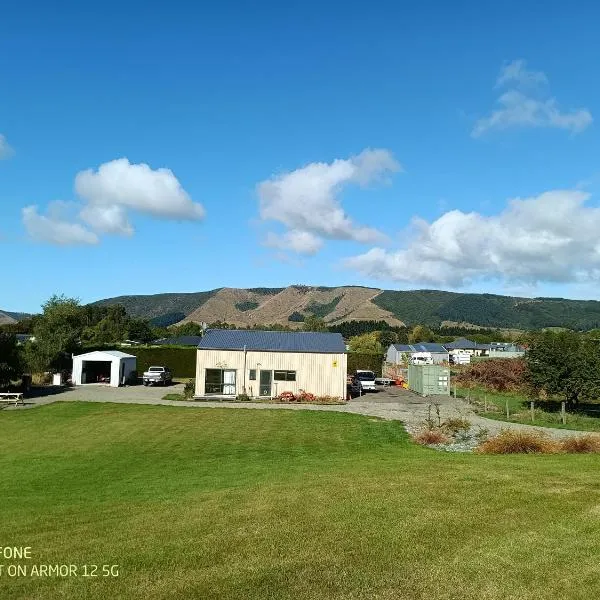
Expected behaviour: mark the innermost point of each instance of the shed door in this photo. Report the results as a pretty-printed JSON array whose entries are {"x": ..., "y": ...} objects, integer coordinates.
[
  {"x": 229, "y": 382},
  {"x": 265, "y": 383}
]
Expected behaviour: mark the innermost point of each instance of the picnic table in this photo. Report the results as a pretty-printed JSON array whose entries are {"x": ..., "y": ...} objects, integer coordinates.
[{"x": 12, "y": 398}]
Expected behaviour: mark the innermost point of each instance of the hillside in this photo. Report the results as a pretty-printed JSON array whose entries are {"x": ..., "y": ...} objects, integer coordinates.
[
  {"x": 291, "y": 305},
  {"x": 7, "y": 317}
]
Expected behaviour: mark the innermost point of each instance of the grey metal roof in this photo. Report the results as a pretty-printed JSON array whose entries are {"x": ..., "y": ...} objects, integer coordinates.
[
  {"x": 423, "y": 347},
  {"x": 461, "y": 344},
  {"x": 274, "y": 341},
  {"x": 182, "y": 340}
]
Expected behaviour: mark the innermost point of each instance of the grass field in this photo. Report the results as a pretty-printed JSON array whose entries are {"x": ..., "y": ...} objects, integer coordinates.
[
  {"x": 518, "y": 408},
  {"x": 267, "y": 504}
]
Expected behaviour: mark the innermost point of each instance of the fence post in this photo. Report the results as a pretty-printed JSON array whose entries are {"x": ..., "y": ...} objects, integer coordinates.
[
  {"x": 485, "y": 403},
  {"x": 507, "y": 410},
  {"x": 532, "y": 407},
  {"x": 563, "y": 413},
  {"x": 455, "y": 391}
]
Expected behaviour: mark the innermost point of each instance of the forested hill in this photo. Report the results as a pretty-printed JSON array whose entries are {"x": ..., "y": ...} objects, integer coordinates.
[{"x": 291, "y": 305}]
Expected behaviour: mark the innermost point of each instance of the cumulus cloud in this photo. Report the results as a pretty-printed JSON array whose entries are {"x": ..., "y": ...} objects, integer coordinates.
[
  {"x": 301, "y": 242},
  {"x": 52, "y": 230},
  {"x": 138, "y": 187},
  {"x": 527, "y": 104},
  {"x": 108, "y": 194},
  {"x": 306, "y": 200},
  {"x": 548, "y": 238},
  {"x": 6, "y": 150}
]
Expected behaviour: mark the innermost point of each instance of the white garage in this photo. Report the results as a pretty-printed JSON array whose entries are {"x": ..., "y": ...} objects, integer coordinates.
[{"x": 108, "y": 367}]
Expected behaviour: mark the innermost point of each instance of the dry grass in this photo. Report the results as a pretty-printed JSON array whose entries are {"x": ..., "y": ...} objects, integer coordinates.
[
  {"x": 431, "y": 436},
  {"x": 585, "y": 444},
  {"x": 519, "y": 442}
]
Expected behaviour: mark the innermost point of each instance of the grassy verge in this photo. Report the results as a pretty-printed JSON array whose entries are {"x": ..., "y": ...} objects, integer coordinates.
[
  {"x": 519, "y": 410},
  {"x": 222, "y": 504}
]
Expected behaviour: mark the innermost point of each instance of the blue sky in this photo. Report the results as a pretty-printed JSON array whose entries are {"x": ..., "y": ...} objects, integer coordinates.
[{"x": 151, "y": 148}]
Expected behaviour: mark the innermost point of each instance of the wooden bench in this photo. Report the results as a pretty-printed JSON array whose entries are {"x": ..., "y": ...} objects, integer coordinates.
[{"x": 12, "y": 398}]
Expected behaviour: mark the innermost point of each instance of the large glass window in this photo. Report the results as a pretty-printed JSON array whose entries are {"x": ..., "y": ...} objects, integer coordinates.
[
  {"x": 284, "y": 375},
  {"x": 220, "y": 381}
]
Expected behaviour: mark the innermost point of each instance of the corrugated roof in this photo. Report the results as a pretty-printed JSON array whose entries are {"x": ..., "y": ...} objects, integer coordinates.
[
  {"x": 461, "y": 344},
  {"x": 423, "y": 347},
  {"x": 275, "y": 341},
  {"x": 113, "y": 353}
]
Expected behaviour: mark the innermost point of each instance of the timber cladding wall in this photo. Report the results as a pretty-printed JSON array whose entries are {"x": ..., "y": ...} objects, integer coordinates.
[{"x": 319, "y": 374}]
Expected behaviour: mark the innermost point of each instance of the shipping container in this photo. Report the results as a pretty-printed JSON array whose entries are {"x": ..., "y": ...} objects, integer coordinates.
[{"x": 429, "y": 380}]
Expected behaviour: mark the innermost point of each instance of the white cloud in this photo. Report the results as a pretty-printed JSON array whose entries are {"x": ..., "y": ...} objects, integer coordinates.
[
  {"x": 548, "y": 238},
  {"x": 107, "y": 219},
  {"x": 306, "y": 200},
  {"x": 53, "y": 230},
  {"x": 106, "y": 197},
  {"x": 138, "y": 187},
  {"x": 517, "y": 72},
  {"x": 6, "y": 150},
  {"x": 301, "y": 242},
  {"x": 527, "y": 104}
]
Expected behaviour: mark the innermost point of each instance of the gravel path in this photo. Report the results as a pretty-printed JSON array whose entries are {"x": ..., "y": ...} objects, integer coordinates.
[{"x": 390, "y": 403}]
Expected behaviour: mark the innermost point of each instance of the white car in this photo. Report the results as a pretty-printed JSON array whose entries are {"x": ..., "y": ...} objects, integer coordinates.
[{"x": 366, "y": 379}]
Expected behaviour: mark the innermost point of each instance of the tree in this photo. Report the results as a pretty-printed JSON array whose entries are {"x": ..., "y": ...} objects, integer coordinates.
[
  {"x": 10, "y": 358},
  {"x": 557, "y": 366},
  {"x": 387, "y": 338},
  {"x": 367, "y": 343},
  {"x": 313, "y": 323},
  {"x": 420, "y": 333},
  {"x": 189, "y": 328},
  {"x": 140, "y": 330},
  {"x": 57, "y": 334}
]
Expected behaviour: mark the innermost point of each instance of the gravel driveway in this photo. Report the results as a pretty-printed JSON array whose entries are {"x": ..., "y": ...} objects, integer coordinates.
[{"x": 388, "y": 403}]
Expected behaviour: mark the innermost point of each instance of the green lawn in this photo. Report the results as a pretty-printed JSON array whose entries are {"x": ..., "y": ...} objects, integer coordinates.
[
  {"x": 272, "y": 504},
  {"x": 518, "y": 407}
]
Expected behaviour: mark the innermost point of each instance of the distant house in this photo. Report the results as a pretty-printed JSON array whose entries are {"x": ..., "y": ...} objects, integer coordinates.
[
  {"x": 465, "y": 345},
  {"x": 182, "y": 340},
  {"x": 438, "y": 353},
  {"x": 505, "y": 350},
  {"x": 265, "y": 363}
]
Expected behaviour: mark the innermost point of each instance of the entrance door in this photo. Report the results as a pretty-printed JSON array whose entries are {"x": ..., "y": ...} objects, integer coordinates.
[
  {"x": 265, "y": 383},
  {"x": 229, "y": 383}
]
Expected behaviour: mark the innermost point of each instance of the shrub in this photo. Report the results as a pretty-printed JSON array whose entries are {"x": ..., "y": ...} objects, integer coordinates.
[
  {"x": 500, "y": 374},
  {"x": 305, "y": 397},
  {"x": 286, "y": 397},
  {"x": 189, "y": 389},
  {"x": 242, "y": 398},
  {"x": 585, "y": 444},
  {"x": 427, "y": 437},
  {"x": 456, "y": 425},
  {"x": 519, "y": 442}
]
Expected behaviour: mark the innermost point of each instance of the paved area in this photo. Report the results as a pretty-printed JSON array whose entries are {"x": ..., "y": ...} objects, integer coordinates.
[{"x": 388, "y": 403}]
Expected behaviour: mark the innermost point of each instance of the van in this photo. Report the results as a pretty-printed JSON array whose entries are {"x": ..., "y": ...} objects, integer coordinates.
[{"x": 366, "y": 379}]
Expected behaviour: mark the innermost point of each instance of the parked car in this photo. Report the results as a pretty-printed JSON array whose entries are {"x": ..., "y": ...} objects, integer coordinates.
[
  {"x": 157, "y": 375},
  {"x": 366, "y": 379}
]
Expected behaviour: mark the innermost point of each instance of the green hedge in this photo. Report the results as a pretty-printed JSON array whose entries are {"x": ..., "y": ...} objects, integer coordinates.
[
  {"x": 366, "y": 362},
  {"x": 181, "y": 361}
]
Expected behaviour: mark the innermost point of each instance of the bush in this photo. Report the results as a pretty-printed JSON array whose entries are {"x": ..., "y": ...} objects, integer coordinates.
[
  {"x": 456, "y": 425},
  {"x": 367, "y": 362},
  {"x": 189, "y": 389},
  {"x": 585, "y": 444},
  {"x": 427, "y": 437},
  {"x": 500, "y": 374},
  {"x": 181, "y": 361},
  {"x": 519, "y": 442},
  {"x": 242, "y": 398}
]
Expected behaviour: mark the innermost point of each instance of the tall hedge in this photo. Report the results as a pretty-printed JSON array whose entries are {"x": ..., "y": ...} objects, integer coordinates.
[
  {"x": 181, "y": 361},
  {"x": 366, "y": 362}
]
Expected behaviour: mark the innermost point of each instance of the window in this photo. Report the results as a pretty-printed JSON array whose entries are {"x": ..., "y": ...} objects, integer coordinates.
[
  {"x": 219, "y": 381},
  {"x": 284, "y": 375},
  {"x": 252, "y": 375}
]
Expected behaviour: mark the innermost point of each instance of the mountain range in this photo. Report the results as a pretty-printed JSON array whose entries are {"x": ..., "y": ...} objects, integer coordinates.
[{"x": 293, "y": 304}]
